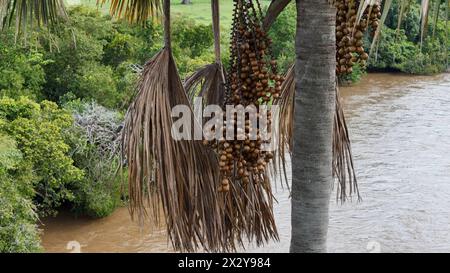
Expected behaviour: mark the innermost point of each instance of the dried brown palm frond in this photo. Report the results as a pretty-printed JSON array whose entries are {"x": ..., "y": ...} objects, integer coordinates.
[
  {"x": 177, "y": 177},
  {"x": 343, "y": 168},
  {"x": 181, "y": 177},
  {"x": 285, "y": 123},
  {"x": 209, "y": 81},
  {"x": 247, "y": 208},
  {"x": 246, "y": 191},
  {"x": 248, "y": 211},
  {"x": 134, "y": 11}
]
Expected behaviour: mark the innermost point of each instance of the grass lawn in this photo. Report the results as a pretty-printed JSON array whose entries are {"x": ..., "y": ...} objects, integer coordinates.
[{"x": 199, "y": 10}]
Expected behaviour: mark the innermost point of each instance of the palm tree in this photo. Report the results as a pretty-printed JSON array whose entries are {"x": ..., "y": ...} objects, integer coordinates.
[
  {"x": 313, "y": 125},
  {"x": 314, "y": 119}
]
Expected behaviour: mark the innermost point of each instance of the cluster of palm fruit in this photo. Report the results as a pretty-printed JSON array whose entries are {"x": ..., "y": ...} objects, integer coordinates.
[
  {"x": 252, "y": 80},
  {"x": 350, "y": 33}
]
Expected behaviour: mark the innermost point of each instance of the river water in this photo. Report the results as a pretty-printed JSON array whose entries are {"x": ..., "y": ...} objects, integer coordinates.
[{"x": 400, "y": 131}]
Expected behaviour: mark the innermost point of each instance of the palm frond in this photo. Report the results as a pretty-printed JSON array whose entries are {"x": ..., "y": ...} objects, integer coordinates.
[
  {"x": 166, "y": 174},
  {"x": 247, "y": 207},
  {"x": 285, "y": 124},
  {"x": 26, "y": 12},
  {"x": 134, "y": 11},
  {"x": 362, "y": 7},
  {"x": 181, "y": 177},
  {"x": 436, "y": 9},
  {"x": 208, "y": 83},
  {"x": 343, "y": 168}
]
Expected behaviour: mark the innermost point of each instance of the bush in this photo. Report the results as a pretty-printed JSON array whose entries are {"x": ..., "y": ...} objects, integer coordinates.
[
  {"x": 192, "y": 45},
  {"x": 355, "y": 76},
  {"x": 96, "y": 81},
  {"x": 94, "y": 140},
  {"x": 18, "y": 230},
  {"x": 66, "y": 70},
  {"x": 120, "y": 49},
  {"x": 22, "y": 72},
  {"x": 282, "y": 33},
  {"x": 393, "y": 51},
  {"x": 38, "y": 131}
]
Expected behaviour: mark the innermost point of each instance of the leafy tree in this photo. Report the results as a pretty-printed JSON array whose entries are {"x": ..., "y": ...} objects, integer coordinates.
[
  {"x": 38, "y": 131},
  {"x": 18, "y": 230},
  {"x": 22, "y": 71}
]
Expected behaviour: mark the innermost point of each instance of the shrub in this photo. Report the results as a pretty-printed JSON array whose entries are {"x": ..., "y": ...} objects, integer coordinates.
[
  {"x": 282, "y": 33},
  {"x": 120, "y": 49},
  {"x": 96, "y": 81},
  {"x": 355, "y": 76},
  {"x": 22, "y": 73},
  {"x": 94, "y": 140},
  {"x": 65, "y": 72},
  {"x": 39, "y": 136},
  {"x": 18, "y": 230}
]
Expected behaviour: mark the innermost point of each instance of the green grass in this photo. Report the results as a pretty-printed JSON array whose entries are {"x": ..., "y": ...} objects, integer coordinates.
[{"x": 199, "y": 10}]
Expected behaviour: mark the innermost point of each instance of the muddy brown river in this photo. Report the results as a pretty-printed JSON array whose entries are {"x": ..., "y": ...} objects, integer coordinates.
[{"x": 400, "y": 131}]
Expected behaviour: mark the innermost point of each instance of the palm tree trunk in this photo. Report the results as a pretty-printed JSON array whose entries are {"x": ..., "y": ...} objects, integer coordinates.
[{"x": 313, "y": 124}]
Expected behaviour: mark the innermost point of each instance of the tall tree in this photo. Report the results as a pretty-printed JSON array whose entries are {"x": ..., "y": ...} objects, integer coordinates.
[
  {"x": 314, "y": 99},
  {"x": 313, "y": 124}
]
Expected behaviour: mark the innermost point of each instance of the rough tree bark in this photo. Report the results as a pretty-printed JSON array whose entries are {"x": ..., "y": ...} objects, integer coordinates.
[{"x": 313, "y": 124}]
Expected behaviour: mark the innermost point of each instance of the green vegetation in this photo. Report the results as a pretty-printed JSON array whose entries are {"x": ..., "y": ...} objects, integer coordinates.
[
  {"x": 38, "y": 131},
  {"x": 283, "y": 32},
  {"x": 65, "y": 156},
  {"x": 403, "y": 50},
  {"x": 397, "y": 50},
  {"x": 94, "y": 140},
  {"x": 63, "y": 96},
  {"x": 22, "y": 72},
  {"x": 18, "y": 229}
]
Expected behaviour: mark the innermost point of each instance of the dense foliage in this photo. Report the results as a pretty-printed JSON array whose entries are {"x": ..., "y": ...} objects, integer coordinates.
[
  {"x": 22, "y": 72},
  {"x": 403, "y": 50},
  {"x": 397, "y": 50},
  {"x": 283, "y": 32},
  {"x": 91, "y": 57},
  {"x": 18, "y": 230},
  {"x": 38, "y": 131}
]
